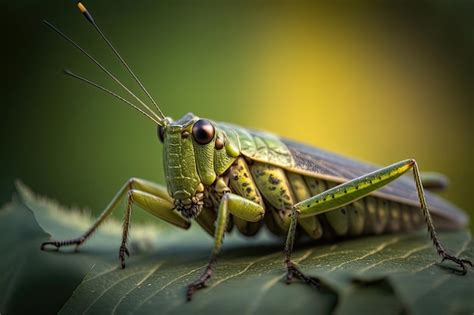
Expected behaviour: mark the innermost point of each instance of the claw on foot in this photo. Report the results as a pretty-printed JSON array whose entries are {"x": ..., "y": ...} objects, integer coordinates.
[
  {"x": 199, "y": 283},
  {"x": 58, "y": 244},
  {"x": 461, "y": 262},
  {"x": 123, "y": 250},
  {"x": 193, "y": 287},
  {"x": 44, "y": 244},
  {"x": 293, "y": 271}
]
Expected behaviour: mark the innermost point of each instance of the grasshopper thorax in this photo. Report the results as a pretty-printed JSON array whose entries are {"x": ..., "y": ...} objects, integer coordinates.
[{"x": 188, "y": 161}]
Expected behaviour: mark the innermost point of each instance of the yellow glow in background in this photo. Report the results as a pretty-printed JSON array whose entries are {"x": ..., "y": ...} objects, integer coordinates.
[{"x": 379, "y": 83}]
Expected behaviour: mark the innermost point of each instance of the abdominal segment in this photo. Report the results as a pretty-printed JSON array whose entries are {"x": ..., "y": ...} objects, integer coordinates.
[{"x": 278, "y": 190}]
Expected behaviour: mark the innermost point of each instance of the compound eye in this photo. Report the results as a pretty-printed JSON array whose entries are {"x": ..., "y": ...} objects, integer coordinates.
[
  {"x": 203, "y": 131},
  {"x": 161, "y": 133}
]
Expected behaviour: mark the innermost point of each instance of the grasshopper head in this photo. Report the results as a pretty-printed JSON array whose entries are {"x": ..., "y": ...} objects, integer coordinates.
[
  {"x": 188, "y": 142},
  {"x": 188, "y": 151}
]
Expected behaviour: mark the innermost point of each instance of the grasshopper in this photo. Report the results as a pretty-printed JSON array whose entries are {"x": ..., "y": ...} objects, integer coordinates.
[{"x": 224, "y": 176}]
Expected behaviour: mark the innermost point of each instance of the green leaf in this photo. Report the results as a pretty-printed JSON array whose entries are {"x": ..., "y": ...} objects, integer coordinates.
[
  {"x": 398, "y": 273},
  {"x": 30, "y": 280}
]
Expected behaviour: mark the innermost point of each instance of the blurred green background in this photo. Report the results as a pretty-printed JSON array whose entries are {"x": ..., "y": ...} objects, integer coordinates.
[{"x": 378, "y": 81}]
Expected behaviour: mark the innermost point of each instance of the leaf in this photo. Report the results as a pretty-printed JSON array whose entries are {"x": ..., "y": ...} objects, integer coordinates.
[
  {"x": 398, "y": 273},
  {"x": 46, "y": 282}
]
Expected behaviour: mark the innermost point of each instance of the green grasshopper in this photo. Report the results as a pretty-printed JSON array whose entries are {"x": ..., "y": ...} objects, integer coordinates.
[{"x": 225, "y": 176}]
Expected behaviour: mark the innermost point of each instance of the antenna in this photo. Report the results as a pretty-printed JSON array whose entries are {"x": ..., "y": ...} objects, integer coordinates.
[
  {"x": 67, "y": 38},
  {"x": 72, "y": 74},
  {"x": 89, "y": 17}
]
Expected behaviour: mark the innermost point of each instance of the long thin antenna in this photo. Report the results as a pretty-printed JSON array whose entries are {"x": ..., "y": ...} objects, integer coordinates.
[
  {"x": 89, "y": 17},
  {"x": 67, "y": 38},
  {"x": 72, "y": 74}
]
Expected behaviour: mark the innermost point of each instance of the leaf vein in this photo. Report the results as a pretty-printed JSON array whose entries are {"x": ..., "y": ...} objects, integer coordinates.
[
  {"x": 100, "y": 274},
  {"x": 148, "y": 275},
  {"x": 110, "y": 287},
  {"x": 167, "y": 285},
  {"x": 372, "y": 252},
  {"x": 263, "y": 291},
  {"x": 304, "y": 256},
  {"x": 250, "y": 264},
  {"x": 406, "y": 255},
  {"x": 463, "y": 248}
]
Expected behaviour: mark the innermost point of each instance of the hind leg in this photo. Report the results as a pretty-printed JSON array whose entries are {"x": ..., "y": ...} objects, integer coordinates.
[{"x": 353, "y": 190}]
